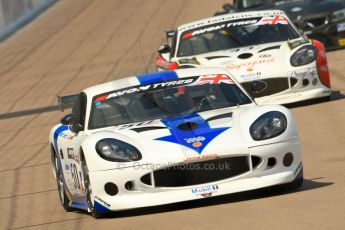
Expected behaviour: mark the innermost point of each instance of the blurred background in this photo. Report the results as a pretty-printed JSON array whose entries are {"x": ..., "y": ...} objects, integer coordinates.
[{"x": 16, "y": 13}]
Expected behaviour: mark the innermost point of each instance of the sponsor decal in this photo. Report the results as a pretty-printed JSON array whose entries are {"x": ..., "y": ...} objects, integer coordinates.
[
  {"x": 205, "y": 191},
  {"x": 214, "y": 79},
  {"x": 341, "y": 42},
  {"x": 72, "y": 155},
  {"x": 144, "y": 88},
  {"x": 201, "y": 157},
  {"x": 265, "y": 55},
  {"x": 296, "y": 43},
  {"x": 250, "y": 64},
  {"x": 251, "y": 75},
  {"x": 195, "y": 141},
  {"x": 274, "y": 20},
  {"x": 205, "y": 79},
  {"x": 286, "y": 97},
  {"x": 66, "y": 136},
  {"x": 341, "y": 27},
  {"x": 192, "y": 61},
  {"x": 310, "y": 72},
  {"x": 219, "y": 27},
  {"x": 138, "y": 124},
  {"x": 228, "y": 62},
  {"x": 106, "y": 204}
]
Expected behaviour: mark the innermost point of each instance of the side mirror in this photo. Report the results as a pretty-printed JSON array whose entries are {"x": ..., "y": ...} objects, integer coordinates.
[
  {"x": 76, "y": 127},
  {"x": 68, "y": 119},
  {"x": 164, "y": 49},
  {"x": 228, "y": 7},
  {"x": 258, "y": 86}
]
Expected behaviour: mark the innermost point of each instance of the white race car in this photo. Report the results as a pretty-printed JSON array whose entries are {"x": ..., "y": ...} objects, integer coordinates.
[
  {"x": 168, "y": 137},
  {"x": 259, "y": 45}
]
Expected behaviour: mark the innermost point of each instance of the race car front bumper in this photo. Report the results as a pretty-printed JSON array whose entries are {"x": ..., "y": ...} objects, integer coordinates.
[
  {"x": 271, "y": 169},
  {"x": 300, "y": 85}
]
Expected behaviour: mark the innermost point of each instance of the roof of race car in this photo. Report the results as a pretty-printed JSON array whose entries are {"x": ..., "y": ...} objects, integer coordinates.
[
  {"x": 151, "y": 78},
  {"x": 227, "y": 17}
]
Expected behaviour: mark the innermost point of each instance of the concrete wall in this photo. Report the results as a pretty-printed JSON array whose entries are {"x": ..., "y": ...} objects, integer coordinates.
[{"x": 16, "y": 13}]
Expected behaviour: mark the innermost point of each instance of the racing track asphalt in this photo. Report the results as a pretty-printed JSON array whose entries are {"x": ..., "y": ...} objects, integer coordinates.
[{"x": 76, "y": 44}]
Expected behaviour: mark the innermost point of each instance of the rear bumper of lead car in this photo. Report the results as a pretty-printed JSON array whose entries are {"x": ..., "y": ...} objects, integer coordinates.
[{"x": 263, "y": 175}]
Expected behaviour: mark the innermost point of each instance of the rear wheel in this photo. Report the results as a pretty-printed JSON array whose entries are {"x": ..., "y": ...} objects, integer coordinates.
[
  {"x": 88, "y": 189},
  {"x": 61, "y": 189}
]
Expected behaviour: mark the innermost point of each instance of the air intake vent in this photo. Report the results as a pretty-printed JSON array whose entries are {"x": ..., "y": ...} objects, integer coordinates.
[
  {"x": 269, "y": 48},
  {"x": 216, "y": 57},
  {"x": 293, "y": 81},
  {"x": 245, "y": 56},
  {"x": 188, "y": 126},
  {"x": 199, "y": 172}
]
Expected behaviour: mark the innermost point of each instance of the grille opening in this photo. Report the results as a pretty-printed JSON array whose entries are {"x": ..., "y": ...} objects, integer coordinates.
[
  {"x": 293, "y": 81},
  {"x": 271, "y": 162},
  {"x": 129, "y": 185},
  {"x": 255, "y": 161},
  {"x": 274, "y": 86},
  {"x": 305, "y": 82},
  {"x": 199, "y": 172},
  {"x": 111, "y": 189},
  {"x": 288, "y": 159},
  {"x": 245, "y": 56},
  {"x": 146, "y": 179}
]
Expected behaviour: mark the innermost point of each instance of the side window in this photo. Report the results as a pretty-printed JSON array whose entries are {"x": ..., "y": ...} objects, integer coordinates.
[
  {"x": 83, "y": 103},
  {"x": 79, "y": 111},
  {"x": 173, "y": 45}
]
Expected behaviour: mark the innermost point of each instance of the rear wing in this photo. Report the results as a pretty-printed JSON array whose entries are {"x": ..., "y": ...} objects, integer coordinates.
[
  {"x": 67, "y": 101},
  {"x": 169, "y": 34}
]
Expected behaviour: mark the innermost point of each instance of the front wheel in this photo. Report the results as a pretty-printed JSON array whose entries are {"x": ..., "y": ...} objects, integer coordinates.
[
  {"x": 88, "y": 189},
  {"x": 61, "y": 189}
]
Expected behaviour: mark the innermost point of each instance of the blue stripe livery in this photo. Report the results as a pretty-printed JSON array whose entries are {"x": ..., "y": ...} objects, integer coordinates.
[
  {"x": 100, "y": 207},
  {"x": 147, "y": 79},
  {"x": 57, "y": 132},
  {"x": 196, "y": 139}
]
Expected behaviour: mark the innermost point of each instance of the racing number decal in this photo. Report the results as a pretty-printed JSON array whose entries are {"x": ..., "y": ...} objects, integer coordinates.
[{"x": 75, "y": 177}]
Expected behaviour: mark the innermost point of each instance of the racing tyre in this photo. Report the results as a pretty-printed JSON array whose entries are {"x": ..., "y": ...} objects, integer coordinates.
[
  {"x": 294, "y": 185},
  {"x": 88, "y": 189},
  {"x": 61, "y": 189}
]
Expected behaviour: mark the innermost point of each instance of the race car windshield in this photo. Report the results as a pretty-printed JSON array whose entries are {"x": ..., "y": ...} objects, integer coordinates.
[
  {"x": 148, "y": 102},
  {"x": 235, "y": 34}
]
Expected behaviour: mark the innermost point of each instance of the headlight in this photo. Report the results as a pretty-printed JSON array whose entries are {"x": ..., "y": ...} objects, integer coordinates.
[
  {"x": 338, "y": 15},
  {"x": 303, "y": 56},
  {"x": 118, "y": 151},
  {"x": 268, "y": 125}
]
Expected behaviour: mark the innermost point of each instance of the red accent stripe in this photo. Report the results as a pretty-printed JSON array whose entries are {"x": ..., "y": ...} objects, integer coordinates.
[
  {"x": 187, "y": 35},
  {"x": 101, "y": 98}
]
